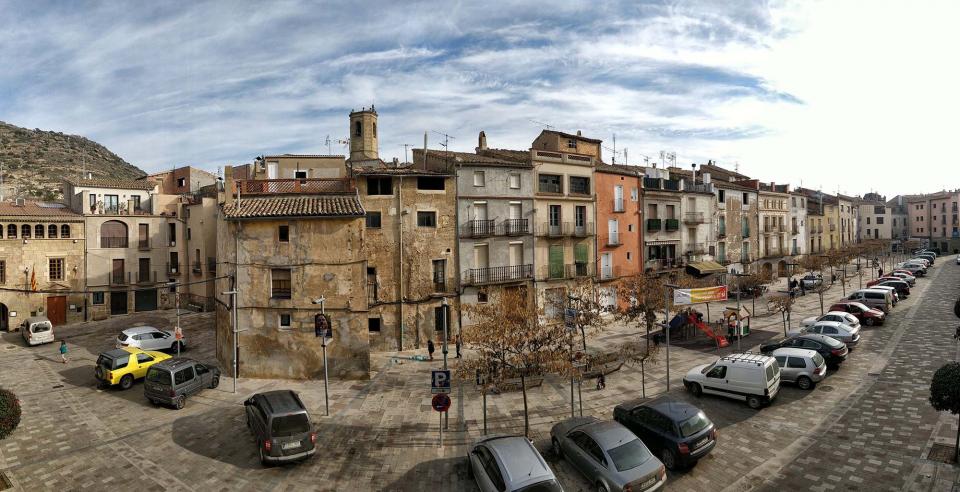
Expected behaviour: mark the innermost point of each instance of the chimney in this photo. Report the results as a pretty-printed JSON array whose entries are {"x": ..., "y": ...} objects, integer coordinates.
[
  {"x": 396, "y": 162},
  {"x": 482, "y": 144},
  {"x": 424, "y": 150},
  {"x": 89, "y": 175},
  {"x": 228, "y": 185},
  {"x": 579, "y": 134},
  {"x": 705, "y": 177}
]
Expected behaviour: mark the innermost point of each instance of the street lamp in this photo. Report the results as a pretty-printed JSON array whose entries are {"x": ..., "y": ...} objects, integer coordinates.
[
  {"x": 739, "y": 328},
  {"x": 323, "y": 344},
  {"x": 666, "y": 326}
]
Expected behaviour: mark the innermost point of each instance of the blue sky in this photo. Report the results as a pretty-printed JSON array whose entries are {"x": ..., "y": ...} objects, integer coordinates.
[{"x": 823, "y": 93}]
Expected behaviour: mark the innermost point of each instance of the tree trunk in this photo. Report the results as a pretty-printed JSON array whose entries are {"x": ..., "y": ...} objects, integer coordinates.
[
  {"x": 821, "y": 302},
  {"x": 526, "y": 418},
  {"x": 783, "y": 318},
  {"x": 583, "y": 333},
  {"x": 958, "y": 442},
  {"x": 643, "y": 384}
]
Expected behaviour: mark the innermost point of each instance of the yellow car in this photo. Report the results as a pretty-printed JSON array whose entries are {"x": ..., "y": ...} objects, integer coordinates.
[{"x": 122, "y": 366}]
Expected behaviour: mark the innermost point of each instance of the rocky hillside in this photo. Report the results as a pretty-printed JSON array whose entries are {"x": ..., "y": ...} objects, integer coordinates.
[{"x": 35, "y": 161}]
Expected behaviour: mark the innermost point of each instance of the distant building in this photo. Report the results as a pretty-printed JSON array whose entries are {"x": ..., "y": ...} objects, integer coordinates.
[
  {"x": 736, "y": 211},
  {"x": 934, "y": 220},
  {"x": 619, "y": 207},
  {"x": 181, "y": 180}
]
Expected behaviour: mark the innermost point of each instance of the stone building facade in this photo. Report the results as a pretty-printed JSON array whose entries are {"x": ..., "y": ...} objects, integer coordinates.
[
  {"x": 661, "y": 233},
  {"x": 735, "y": 225},
  {"x": 181, "y": 180},
  {"x": 42, "y": 267}
]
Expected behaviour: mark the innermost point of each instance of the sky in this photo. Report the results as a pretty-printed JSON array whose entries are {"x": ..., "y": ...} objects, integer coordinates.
[{"x": 845, "y": 96}]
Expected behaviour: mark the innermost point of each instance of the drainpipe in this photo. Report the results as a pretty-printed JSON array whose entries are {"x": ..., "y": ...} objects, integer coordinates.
[{"x": 400, "y": 256}]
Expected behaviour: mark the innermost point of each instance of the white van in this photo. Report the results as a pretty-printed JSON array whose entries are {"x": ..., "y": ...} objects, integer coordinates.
[
  {"x": 877, "y": 299},
  {"x": 751, "y": 377},
  {"x": 37, "y": 330}
]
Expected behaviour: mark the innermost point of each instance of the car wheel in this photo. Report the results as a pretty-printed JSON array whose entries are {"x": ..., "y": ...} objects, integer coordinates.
[
  {"x": 696, "y": 389},
  {"x": 173, "y": 347},
  {"x": 126, "y": 382},
  {"x": 804, "y": 383},
  {"x": 602, "y": 488},
  {"x": 215, "y": 382},
  {"x": 180, "y": 402},
  {"x": 556, "y": 448},
  {"x": 754, "y": 402},
  {"x": 669, "y": 459},
  {"x": 869, "y": 321}
]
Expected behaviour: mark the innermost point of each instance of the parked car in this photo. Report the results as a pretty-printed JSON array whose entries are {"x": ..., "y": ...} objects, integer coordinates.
[
  {"x": 811, "y": 281},
  {"x": 906, "y": 277},
  {"x": 866, "y": 315},
  {"x": 919, "y": 265},
  {"x": 678, "y": 432},
  {"x": 281, "y": 425},
  {"x": 921, "y": 260},
  {"x": 124, "y": 366},
  {"x": 841, "y": 316},
  {"x": 803, "y": 367},
  {"x": 903, "y": 288},
  {"x": 894, "y": 295},
  {"x": 833, "y": 329},
  {"x": 173, "y": 380},
  {"x": 877, "y": 299},
  {"x": 149, "y": 338},
  {"x": 832, "y": 350},
  {"x": 509, "y": 463},
  {"x": 928, "y": 256},
  {"x": 607, "y": 454},
  {"x": 36, "y": 330},
  {"x": 958, "y": 259},
  {"x": 751, "y": 377},
  {"x": 914, "y": 270}
]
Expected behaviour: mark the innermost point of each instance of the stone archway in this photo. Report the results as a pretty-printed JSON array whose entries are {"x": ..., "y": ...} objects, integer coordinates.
[
  {"x": 782, "y": 268},
  {"x": 766, "y": 269}
]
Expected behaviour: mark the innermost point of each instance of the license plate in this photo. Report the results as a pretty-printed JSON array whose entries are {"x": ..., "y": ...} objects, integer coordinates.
[
  {"x": 701, "y": 443},
  {"x": 648, "y": 483},
  {"x": 291, "y": 445}
]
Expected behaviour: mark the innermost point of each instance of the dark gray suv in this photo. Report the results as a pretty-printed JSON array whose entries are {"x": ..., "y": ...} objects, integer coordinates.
[
  {"x": 173, "y": 380},
  {"x": 281, "y": 425}
]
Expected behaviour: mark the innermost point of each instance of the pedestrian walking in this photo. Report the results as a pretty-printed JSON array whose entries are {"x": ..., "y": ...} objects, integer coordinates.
[
  {"x": 459, "y": 345},
  {"x": 63, "y": 351},
  {"x": 803, "y": 288},
  {"x": 601, "y": 382},
  {"x": 879, "y": 271},
  {"x": 430, "y": 348}
]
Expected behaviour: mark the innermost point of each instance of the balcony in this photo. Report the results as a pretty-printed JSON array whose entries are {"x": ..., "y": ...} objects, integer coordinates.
[
  {"x": 794, "y": 230},
  {"x": 819, "y": 229},
  {"x": 515, "y": 227},
  {"x": 722, "y": 259},
  {"x": 745, "y": 233},
  {"x": 196, "y": 267},
  {"x": 173, "y": 269},
  {"x": 146, "y": 277},
  {"x": 721, "y": 232},
  {"x": 672, "y": 225},
  {"x": 501, "y": 274},
  {"x": 114, "y": 242},
  {"x": 583, "y": 230},
  {"x": 653, "y": 224},
  {"x": 697, "y": 188},
  {"x": 694, "y": 218},
  {"x": 613, "y": 239},
  {"x": 579, "y": 270},
  {"x": 118, "y": 278},
  {"x": 295, "y": 186},
  {"x": 771, "y": 229},
  {"x": 618, "y": 205},
  {"x": 566, "y": 229},
  {"x": 477, "y": 228},
  {"x": 833, "y": 227},
  {"x": 143, "y": 244},
  {"x": 696, "y": 249},
  {"x": 671, "y": 185},
  {"x": 651, "y": 183}
]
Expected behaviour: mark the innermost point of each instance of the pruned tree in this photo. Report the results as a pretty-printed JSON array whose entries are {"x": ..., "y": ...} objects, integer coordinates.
[
  {"x": 582, "y": 298},
  {"x": 945, "y": 394},
  {"x": 820, "y": 289},
  {"x": 633, "y": 353},
  {"x": 512, "y": 339},
  {"x": 754, "y": 283},
  {"x": 783, "y": 304},
  {"x": 641, "y": 300}
]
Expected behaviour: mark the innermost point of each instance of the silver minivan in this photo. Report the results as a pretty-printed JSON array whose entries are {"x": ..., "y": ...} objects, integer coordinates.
[
  {"x": 877, "y": 299},
  {"x": 37, "y": 330},
  {"x": 803, "y": 367}
]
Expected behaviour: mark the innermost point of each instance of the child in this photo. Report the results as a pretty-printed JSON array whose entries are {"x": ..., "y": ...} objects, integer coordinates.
[
  {"x": 430, "y": 348},
  {"x": 63, "y": 351},
  {"x": 459, "y": 345},
  {"x": 601, "y": 382}
]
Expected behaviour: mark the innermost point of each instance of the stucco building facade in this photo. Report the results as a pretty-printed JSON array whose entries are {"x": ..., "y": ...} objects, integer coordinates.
[{"x": 619, "y": 208}]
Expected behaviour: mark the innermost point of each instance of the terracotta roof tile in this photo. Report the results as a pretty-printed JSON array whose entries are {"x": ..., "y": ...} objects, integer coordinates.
[
  {"x": 113, "y": 183},
  {"x": 36, "y": 209},
  {"x": 295, "y": 206}
]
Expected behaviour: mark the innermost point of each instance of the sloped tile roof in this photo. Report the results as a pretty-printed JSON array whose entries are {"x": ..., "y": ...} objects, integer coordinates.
[
  {"x": 623, "y": 169},
  {"x": 32, "y": 208},
  {"x": 471, "y": 159},
  {"x": 295, "y": 206},
  {"x": 396, "y": 171},
  {"x": 113, "y": 183}
]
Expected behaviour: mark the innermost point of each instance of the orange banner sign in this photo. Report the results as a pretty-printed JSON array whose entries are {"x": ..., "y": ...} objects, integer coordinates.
[{"x": 699, "y": 296}]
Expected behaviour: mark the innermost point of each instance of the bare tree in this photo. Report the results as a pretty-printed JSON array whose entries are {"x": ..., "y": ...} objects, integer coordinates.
[
  {"x": 513, "y": 340},
  {"x": 582, "y": 298},
  {"x": 633, "y": 353},
  {"x": 783, "y": 304},
  {"x": 755, "y": 284},
  {"x": 641, "y": 299}
]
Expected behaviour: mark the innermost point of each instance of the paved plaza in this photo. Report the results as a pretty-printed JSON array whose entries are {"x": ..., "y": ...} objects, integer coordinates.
[{"x": 867, "y": 427}]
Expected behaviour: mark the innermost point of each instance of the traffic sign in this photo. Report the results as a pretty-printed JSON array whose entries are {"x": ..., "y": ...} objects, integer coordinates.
[
  {"x": 178, "y": 333},
  {"x": 441, "y": 402},
  {"x": 440, "y": 381},
  {"x": 321, "y": 326},
  {"x": 569, "y": 318}
]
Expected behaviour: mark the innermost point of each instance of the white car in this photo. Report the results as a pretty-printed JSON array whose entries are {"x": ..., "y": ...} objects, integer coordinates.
[
  {"x": 149, "y": 338},
  {"x": 751, "y": 377},
  {"x": 841, "y": 316},
  {"x": 958, "y": 259}
]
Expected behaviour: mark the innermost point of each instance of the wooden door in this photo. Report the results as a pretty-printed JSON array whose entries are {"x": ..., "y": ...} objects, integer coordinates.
[{"x": 57, "y": 309}]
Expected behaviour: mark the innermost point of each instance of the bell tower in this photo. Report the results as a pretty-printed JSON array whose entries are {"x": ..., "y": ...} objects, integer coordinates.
[{"x": 363, "y": 135}]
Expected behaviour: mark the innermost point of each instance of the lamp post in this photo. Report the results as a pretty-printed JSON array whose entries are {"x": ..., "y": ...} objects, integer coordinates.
[
  {"x": 443, "y": 303},
  {"x": 738, "y": 329},
  {"x": 576, "y": 327},
  {"x": 666, "y": 326},
  {"x": 233, "y": 293}
]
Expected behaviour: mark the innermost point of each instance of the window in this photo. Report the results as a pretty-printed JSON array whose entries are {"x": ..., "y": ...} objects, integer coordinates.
[
  {"x": 580, "y": 216},
  {"x": 430, "y": 183},
  {"x": 11, "y": 231},
  {"x": 379, "y": 186},
  {"x": 795, "y": 362},
  {"x": 868, "y": 220},
  {"x": 515, "y": 181},
  {"x": 38, "y": 231},
  {"x": 300, "y": 175},
  {"x": 629, "y": 227},
  {"x": 571, "y": 143},
  {"x": 746, "y": 199},
  {"x": 426, "y": 219},
  {"x": 93, "y": 202},
  {"x": 183, "y": 376},
  {"x": 3, "y": 271},
  {"x": 284, "y": 320},
  {"x": 136, "y": 202},
  {"x": 357, "y": 129},
  {"x": 98, "y": 298},
  {"x": 189, "y": 235},
  {"x": 549, "y": 183},
  {"x": 721, "y": 196},
  {"x": 373, "y": 325},
  {"x": 441, "y": 318},
  {"x": 111, "y": 203},
  {"x": 553, "y": 215},
  {"x": 144, "y": 358},
  {"x": 440, "y": 274},
  {"x": 113, "y": 234},
  {"x": 52, "y": 231},
  {"x": 373, "y": 220},
  {"x": 374, "y": 129},
  {"x": 580, "y": 185},
  {"x": 56, "y": 268},
  {"x": 634, "y": 194},
  {"x": 172, "y": 234},
  {"x": 479, "y": 178},
  {"x": 280, "y": 281},
  {"x": 628, "y": 256},
  {"x": 717, "y": 372},
  {"x": 181, "y": 182},
  {"x": 283, "y": 234},
  {"x": 879, "y": 221},
  {"x": 482, "y": 296},
  {"x": 25, "y": 231}
]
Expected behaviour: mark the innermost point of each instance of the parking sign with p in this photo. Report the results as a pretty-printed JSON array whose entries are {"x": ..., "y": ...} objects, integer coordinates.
[{"x": 439, "y": 381}]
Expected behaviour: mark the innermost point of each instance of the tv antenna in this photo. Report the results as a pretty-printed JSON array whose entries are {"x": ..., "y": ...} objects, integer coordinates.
[
  {"x": 613, "y": 150},
  {"x": 405, "y": 147},
  {"x": 545, "y": 125},
  {"x": 329, "y": 151},
  {"x": 446, "y": 139},
  {"x": 666, "y": 157}
]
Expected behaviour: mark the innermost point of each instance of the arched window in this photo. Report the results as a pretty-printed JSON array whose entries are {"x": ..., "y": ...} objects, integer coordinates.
[
  {"x": 25, "y": 231},
  {"x": 65, "y": 231},
  {"x": 12, "y": 231},
  {"x": 113, "y": 234},
  {"x": 38, "y": 231},
  {"x": 52, "y": 231},
  {"x": 358, "y": 129}
]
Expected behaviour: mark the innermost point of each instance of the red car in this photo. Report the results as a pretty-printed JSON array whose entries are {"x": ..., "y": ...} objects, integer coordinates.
[
  {"x": 882, "y": 279},
  {"x": 866, "y": 315}
]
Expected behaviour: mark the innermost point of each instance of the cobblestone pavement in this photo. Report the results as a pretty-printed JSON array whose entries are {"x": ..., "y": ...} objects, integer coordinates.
[{"x": 867, "y": 427}]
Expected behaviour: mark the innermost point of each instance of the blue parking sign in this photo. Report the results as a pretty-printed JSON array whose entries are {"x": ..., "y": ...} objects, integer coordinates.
[{"x": 440, "y": 381}]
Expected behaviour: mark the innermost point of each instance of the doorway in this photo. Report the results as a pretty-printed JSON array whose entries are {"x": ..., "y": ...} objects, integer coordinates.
[
  {"x": 145, "y": 300},
  {"x": 57, "y": 310},
  {"x": 4, "y": 318},
  {"x": 118, "y": 302}
]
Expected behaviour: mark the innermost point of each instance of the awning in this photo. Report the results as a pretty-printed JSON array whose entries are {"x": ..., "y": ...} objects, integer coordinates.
[{"x": 706, "y": 267}]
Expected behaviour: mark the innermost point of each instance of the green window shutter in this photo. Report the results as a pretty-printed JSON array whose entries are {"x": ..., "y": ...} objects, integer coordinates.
[
  {"x": 580, "y": 253},
  {"x": 556, "y": 261}
]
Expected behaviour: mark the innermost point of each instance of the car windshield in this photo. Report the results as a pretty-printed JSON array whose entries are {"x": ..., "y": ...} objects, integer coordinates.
[
  {"x": 546, "y": 486},
  {"x": 707, "y": 369},
  {"x": 111, "y": 363},
  {"x": 123, "y": 337},
  {"x": 694, "y": 424},
  {"x": 629, "y": 455},
  {"x": 160, "y": 376},
  {"x": 290, "y": 425},
  {"x": 41, "y": 327}
]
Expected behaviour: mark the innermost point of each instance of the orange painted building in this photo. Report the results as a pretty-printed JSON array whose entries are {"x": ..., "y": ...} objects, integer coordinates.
[{"x": 619, "y": 241}]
